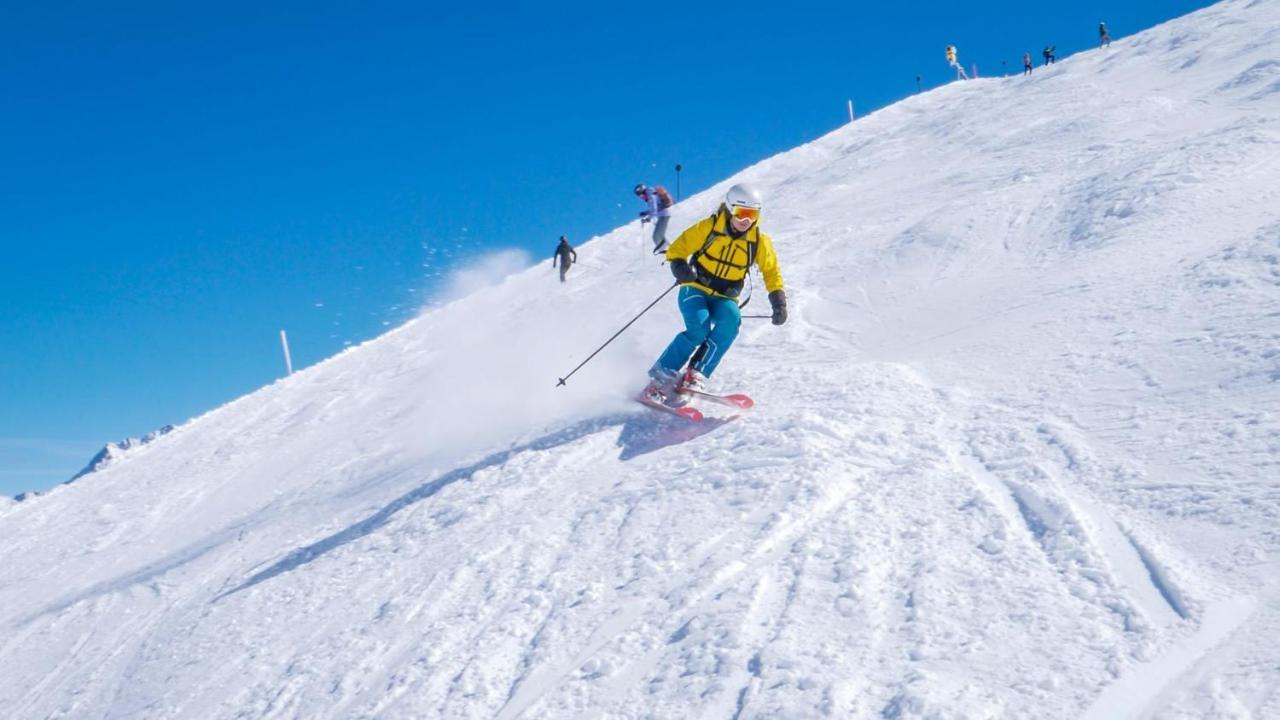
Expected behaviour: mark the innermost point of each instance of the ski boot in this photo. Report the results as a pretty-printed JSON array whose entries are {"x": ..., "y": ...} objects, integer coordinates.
[
  {"x": 692, "y": 381},
  {"x": 662, "y": 387}
]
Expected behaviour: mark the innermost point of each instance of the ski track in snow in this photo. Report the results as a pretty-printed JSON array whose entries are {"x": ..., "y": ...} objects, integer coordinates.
[{"x": 1015, "y": 455}]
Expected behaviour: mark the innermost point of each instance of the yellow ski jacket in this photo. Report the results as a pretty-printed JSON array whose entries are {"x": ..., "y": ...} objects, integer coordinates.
[{"x": 722, "y": 260}]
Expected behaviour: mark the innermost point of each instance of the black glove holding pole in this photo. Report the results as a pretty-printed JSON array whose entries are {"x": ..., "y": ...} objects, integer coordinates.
[
  {"x": 682, "y": 272},
  {"x": 778, "y": 299}
]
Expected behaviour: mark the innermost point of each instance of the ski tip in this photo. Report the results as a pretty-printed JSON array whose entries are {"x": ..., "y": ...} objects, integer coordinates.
[
  {"x": 742, "y": 401},
  {"x": 693, "y": 414}
]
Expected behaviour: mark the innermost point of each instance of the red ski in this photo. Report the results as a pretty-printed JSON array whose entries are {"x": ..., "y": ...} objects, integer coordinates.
[
  {"x": 691, "y": 414},
  {"x": 737, "y": 400}
]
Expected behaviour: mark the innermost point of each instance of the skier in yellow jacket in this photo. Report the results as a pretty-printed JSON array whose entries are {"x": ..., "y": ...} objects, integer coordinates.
[
  {"x": 711, "y": 260},
  {"x": 955, "y": 63}
]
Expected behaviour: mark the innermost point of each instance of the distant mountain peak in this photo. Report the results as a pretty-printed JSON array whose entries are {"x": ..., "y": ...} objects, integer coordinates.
[{"x": 113, "y": 452}]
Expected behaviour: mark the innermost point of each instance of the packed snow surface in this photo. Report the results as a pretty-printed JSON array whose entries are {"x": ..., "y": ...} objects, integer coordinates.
[{"x": 1016, "y": 454}]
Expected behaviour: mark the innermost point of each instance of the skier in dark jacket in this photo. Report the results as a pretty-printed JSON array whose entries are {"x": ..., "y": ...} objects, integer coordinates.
[
  {"x": 565, "y": 254},
  {"x": 1049, "y": 56},
  {"x": 1104, "y": 37}
]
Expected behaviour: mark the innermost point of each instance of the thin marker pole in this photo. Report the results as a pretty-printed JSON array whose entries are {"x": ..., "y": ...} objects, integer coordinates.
[{"x": 288, "y": 363}]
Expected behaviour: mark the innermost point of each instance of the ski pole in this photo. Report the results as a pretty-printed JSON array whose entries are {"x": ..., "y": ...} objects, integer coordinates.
[
  {"x": 765, "y": 317},
  {"x": 615, "y": 335}
]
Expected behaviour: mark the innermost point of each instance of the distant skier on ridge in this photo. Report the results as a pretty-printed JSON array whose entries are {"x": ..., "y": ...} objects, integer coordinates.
[
  {"x": 710, "y": 260},
  {"x": 955, "y": 63},
  {"x": 565, "y": 254}
]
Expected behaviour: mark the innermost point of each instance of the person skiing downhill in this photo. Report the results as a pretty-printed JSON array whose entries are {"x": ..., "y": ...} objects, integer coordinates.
[
  {"x": 1104, "y": 37},
  {"x": 658, "y": 202},
  {"x": 710, "y": 261},
  {"x": 1026, "y": 63},
  {"x": 566, "y": 255}
]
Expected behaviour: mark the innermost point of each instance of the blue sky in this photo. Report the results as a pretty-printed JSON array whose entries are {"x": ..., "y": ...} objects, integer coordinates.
[{"x": 182, "y": 182}]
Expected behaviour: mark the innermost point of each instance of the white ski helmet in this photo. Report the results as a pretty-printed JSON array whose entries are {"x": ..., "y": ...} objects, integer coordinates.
[{"x": 741, "y": 195}]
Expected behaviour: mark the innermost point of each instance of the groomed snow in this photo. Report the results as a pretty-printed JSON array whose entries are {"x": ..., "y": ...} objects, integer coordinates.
[{"x": 1016, "y": 454}]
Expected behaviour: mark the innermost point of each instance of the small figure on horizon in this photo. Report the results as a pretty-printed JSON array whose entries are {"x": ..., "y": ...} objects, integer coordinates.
[
  {"x": 1049, "y": 56},
  {"x": 1026, "y": 63},
  {"x": 953, "y": 62},
  {"x": 565, "y": 254},
  {"x": 1104, "y": 37},
  {"x": 658, "y": 203}
]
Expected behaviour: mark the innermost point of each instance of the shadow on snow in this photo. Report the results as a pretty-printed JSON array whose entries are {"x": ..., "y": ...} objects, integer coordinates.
[{"x": 641, "y": 433}]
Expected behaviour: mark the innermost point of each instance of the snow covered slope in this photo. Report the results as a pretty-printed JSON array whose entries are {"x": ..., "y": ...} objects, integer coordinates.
[{"x": 1017, "y": 454}]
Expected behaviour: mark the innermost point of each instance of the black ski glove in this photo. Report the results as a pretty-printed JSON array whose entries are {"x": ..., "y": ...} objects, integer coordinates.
[
  {"x": 682, "y": 272},
  {"x": 778, "y": 300}
]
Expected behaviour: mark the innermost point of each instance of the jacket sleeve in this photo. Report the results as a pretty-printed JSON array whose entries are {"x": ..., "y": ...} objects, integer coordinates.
[
  {"x": 650, "y": 205},
  {"x": 690, "y": 241},
  {"x": 767, "y": 261}
]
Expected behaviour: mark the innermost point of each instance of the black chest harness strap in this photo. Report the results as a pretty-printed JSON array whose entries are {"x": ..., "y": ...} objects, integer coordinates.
[{"x": 728, "y": 288}]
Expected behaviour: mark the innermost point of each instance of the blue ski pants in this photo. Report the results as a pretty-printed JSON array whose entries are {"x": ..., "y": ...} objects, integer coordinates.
[{"x": 707, "y": 318}]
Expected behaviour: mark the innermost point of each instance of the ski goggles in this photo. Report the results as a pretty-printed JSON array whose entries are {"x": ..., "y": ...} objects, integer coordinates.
[{"x": 742, "y": 212}]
